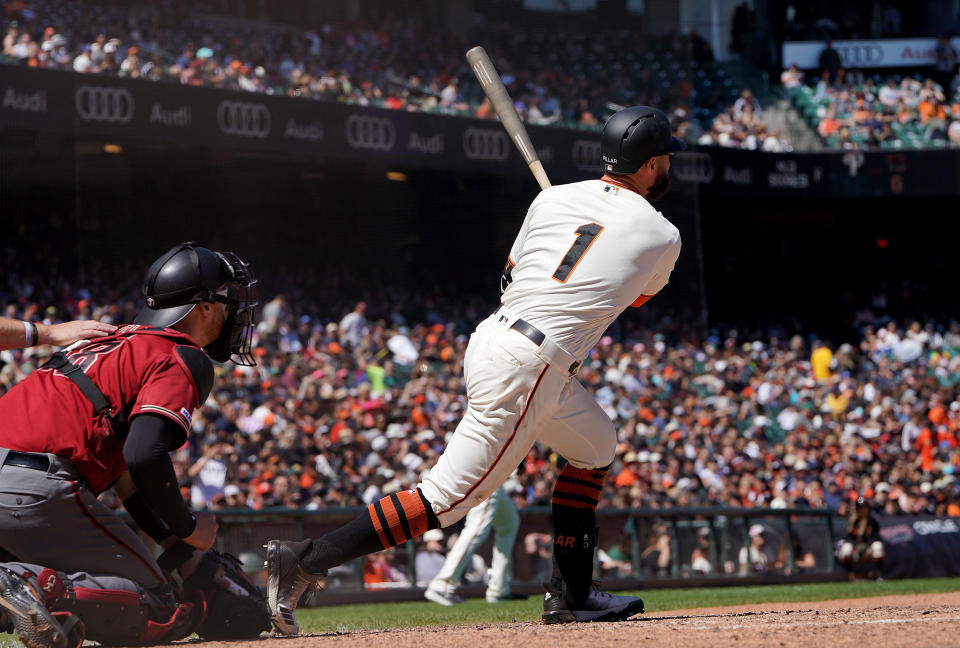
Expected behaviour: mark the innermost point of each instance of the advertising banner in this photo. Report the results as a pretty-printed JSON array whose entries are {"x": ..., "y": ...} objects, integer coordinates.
[
  {"x": 922, "y": 546},
  {"x": 879, "y": 53},
  {"x": 112, "y": 110}
]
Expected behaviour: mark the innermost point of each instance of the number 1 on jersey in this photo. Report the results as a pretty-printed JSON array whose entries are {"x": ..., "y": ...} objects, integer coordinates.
[{"x": 585, "y": 235}]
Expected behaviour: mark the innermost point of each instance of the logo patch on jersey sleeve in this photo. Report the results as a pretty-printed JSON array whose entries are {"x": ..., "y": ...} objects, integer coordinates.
[{"x": 186, "y": 415}]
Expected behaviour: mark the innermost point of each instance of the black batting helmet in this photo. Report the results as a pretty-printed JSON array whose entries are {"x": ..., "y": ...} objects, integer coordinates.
[
  {"x": 634, "y": 135},
  {"x": 190, "y": 273}
]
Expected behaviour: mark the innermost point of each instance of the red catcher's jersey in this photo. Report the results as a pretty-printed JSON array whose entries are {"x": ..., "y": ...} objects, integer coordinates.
[{"x": 137, "y": 369}]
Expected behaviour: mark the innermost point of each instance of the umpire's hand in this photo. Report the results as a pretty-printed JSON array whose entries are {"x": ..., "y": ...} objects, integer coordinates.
[{"x": 69, "y": 332}]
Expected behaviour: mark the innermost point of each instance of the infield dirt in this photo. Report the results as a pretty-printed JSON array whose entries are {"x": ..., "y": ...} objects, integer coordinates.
[{"x": 889, "y": 621}]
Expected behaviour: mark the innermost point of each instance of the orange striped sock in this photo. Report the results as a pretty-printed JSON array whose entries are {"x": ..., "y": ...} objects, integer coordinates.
[
  {"x": 579, "y": 488},
  {"x": 400, "y": 517}
]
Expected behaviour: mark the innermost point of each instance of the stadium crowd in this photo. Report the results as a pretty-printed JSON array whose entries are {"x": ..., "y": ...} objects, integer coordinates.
[
  {"x": 347, "y": 405},
  {"x": 858, "y": 111},
  {"x": 396, "y": 63},
  {"x": 401, "y": 63}
]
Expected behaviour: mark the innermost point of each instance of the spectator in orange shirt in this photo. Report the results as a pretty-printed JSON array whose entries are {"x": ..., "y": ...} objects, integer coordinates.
[
  {"x": 926, "y": 444},
  {"x": 628, "y": 476},
  {"x": 379, "y": 572},
  {"x": 937, "y": 415},
  {"x": 931, "y": 108},
  {"x": 829, "y": 125}
]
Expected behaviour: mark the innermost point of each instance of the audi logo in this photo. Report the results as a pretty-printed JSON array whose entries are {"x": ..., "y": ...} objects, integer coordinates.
[
  {"x": 486, "y": 144},
  {"x": 860, "y": 55},
  {"x": 243, "y": 119},
  {"x": 586, "y": 154},
  {"x": 105, "y": 104},
  {"x": 371, "y": 133},
  {"x": 692, "y": 167}
]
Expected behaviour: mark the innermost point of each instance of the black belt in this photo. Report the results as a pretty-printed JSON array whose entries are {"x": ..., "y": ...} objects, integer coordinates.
[
  {"x": 536, "y": 336},
  {"x": 27, "y": 460},
  {"x": 532, "y": 332}
]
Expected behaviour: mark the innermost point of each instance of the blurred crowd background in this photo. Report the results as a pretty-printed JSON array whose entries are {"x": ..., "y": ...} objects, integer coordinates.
[
  {"x": 573, "y": 77},
  {"x": 357, "y": 387},
  {"x": 348, "y": 404}
]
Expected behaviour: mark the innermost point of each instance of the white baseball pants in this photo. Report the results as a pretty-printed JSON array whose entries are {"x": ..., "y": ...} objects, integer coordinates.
[{"x": 517, "y": 393}]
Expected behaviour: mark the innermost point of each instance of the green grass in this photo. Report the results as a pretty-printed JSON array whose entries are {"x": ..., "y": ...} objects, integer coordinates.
[{"x": 369, "y": 616}]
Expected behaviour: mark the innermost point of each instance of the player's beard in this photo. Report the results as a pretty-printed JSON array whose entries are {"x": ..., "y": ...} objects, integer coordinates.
[{"x": 660, "y": 186}]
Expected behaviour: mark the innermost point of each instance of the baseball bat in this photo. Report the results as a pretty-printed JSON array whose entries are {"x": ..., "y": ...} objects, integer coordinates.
[{"x": 503, "y": 105}]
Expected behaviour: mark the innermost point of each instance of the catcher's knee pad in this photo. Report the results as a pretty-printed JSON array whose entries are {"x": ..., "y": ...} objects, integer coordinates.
[{"x": 119, "y": 616}]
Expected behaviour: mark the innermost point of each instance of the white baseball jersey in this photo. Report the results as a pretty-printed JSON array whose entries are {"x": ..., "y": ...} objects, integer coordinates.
[{"x": 585, "y": 252}]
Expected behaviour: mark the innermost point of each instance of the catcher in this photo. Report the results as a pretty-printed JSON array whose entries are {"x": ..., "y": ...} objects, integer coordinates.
[{"x": 105, "y": 413}]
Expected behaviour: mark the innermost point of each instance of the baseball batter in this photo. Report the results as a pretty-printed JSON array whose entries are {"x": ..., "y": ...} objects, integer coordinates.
[
  {"x": 585, "y": 252},
  {"x": 106, "y": 413}
]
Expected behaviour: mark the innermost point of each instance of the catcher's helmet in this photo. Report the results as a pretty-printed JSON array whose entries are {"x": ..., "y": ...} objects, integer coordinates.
[
  {"x": 189, "y": 273},
  {"x": 634, "y": 135}
]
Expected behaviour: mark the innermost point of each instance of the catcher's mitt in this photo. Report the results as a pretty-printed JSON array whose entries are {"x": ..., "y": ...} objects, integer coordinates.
[{"x": 235, "y": 608}]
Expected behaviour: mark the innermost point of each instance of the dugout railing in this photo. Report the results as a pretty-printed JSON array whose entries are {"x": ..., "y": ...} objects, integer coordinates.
[{"x": 641, "y": 548}]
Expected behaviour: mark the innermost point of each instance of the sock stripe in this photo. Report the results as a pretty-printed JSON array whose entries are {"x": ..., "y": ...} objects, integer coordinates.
[
  {"x": 377, "y": 526},
  {"x": 571, "y": 504},
  {"x": 393, "y": 520},
  {"x": 578, "y": 488},
  {"x": 577, "y": 501},
  {"x": 597, "y": 486},
  {"x": 577, "y": 493},
  {"x": 593, "y": 475},
  {"x": 384, "y": 524},
  {"x": 401, "y": 515},
  {"x": 415, "y": 512},
  {"x": 589, "y": 483}
]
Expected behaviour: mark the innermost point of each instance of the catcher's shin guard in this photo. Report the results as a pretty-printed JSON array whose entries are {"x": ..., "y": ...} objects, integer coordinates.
[
  {"x": 115, "y": 616},
  {"x": 574, "y": 503},
  {"x": 27, "y": 611}
]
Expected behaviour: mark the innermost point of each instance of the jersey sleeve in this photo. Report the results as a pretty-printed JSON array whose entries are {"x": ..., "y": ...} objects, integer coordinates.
[
  {"x": 661, "y": 273},
  {"x": 168, "y": 391}
]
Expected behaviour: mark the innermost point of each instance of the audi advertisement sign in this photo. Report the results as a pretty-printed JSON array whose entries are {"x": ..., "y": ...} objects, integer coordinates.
[
  {"x": 891, "y": 52},
  {"x": 243, "y": 119},
  {"x": 123, "y": 110},
  {"x": 371, "y": 133},
  {"x": 105, "y": 103}
]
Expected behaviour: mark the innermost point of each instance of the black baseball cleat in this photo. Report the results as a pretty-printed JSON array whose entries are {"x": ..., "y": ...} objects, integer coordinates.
[
  {"x": 286, "y": 583},
  {"x": 25, "y": 608},
  {"x": 599, "y": 606}
]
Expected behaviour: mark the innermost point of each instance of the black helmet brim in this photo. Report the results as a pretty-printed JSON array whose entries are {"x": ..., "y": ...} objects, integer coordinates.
[{"x": 162, "y": 317}]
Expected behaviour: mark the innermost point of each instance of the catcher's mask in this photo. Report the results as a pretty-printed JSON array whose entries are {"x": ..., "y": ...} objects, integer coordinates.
[{"x": 189, "y": 273}]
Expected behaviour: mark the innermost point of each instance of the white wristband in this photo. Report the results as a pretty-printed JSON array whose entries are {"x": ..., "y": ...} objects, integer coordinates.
[{"x": 28, "y": 334}]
